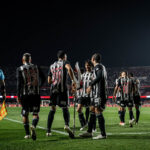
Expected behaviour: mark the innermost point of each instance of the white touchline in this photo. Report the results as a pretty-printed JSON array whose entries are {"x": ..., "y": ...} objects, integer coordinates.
[
  {"x": 56, "y": 131},
  {"x": 60, "y": 132}
]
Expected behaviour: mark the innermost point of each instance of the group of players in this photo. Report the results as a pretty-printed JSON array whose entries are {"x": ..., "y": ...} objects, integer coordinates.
[
  {"x": 89, "y": 89},
  {"x": 127, "y": 94}
]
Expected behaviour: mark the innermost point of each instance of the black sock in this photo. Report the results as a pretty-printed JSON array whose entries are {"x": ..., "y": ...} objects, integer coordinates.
[
  {"x": 50, "y": 120},
  {"x": 35, "y": 121},
  {"x": 66, "y": 115},
  {"x": 94, "y": 122},
  {"x": 131, "y": 114},
  {"x": 137, "y": 115},
  {"x": 26, "y": 127},
  {"x": 101, "y": 122},
  {"x": 119, "y": 113},
  {"x": 82, "y": 119},
  {"x": 91, "y": 121},
  {"x": 87, "y": 112},
  {"x": 122, "y": 116}
]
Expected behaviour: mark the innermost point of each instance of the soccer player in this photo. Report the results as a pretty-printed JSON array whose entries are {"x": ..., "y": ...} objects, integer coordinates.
[
  {"x": 2, "y": 84},
  {"x": 126, "y": 88},
  {"x": 57, "y": 78},
  {"x": 117, "y": 99},
  {"x": 136, "y": 96},
  {"x": 84, "y": 99},
  {"x": 98, "y": 85},
  {"x": 28, "y": 76}
]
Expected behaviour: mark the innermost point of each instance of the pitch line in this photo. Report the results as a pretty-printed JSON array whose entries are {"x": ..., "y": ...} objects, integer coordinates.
[
  {"x": 56, "y": 131},
  {"x": 63, "y": 133}
]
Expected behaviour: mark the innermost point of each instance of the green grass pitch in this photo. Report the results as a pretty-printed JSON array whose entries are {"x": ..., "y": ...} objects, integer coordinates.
[{"x": 119, "y": 138}]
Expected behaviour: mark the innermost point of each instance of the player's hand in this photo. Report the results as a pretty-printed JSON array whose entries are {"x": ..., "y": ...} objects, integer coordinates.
[
  {"x": 4, "y": 97},
  {"x": 88, "y": 90},
  {"x": 73, "y": 87},
  {"x": 18, "y": 100},
  {"x": 114, "y": 99}
]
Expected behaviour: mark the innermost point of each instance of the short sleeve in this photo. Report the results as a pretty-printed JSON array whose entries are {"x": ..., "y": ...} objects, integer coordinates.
[{"x": 66, "y": 62}]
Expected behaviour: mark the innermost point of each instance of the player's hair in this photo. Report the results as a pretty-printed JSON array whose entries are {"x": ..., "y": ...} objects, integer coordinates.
[
  {"x": 125, "y": 72},
  {"x": 97, "y": 57},
  {"x": 120, "y": 74},
  {"x": 89, "y": 63},
  {"x": 61, "y": 54},
  {"x": 82, "y": 70},
  {"x": 27, "y": 57},
  {"x": 131, "y": 74}
]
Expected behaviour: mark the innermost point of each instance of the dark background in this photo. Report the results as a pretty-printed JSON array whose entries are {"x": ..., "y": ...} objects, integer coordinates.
[{"x": 119, "y": 31}]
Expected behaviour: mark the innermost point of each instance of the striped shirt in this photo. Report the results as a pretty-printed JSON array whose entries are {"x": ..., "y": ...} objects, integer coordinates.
[
  {"x": 99, "y": 83},
  {"x": 126, "y": 85},
  {"x": 87, "y": 78}
]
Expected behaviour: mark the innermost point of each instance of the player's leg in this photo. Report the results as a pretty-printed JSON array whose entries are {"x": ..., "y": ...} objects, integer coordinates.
[
  {"x": 122, "y": 113},
  {"x": 90, "y": 124},
  {"x": 80, "y": 113},
  {"x": 26, "y": 123},
  {"x": 50, "y": 119},
  {"x": 101, "y": 123},
  {"x": 94, "y": 124},
  {"x": 35, "y": 120},
  {"x": 53, "y": 103},
  {"x": 66, "y": 115},
  {"x": 25, "y": 114},
  {"x": 35, "y": 109},
  {"x": 63, "y": 103},
  {"x": 119, "y": 108},
  {"x": 34, "y": 124},
  {"x": 119, "y": 113},
  {"x": 137, "y": 102},
  {"x": 131, "y": 116},
  {"x": 137, "y": 107},
  {"x": 122, "y": 116},
  {"x": 87, "y": 113}
]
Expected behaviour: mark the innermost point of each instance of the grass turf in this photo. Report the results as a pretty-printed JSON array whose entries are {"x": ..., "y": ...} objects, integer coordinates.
[{"x": 119, "y": 138}]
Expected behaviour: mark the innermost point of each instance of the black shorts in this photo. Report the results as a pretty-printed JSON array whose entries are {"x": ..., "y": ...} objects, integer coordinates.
[
  {"x": 85, "y": 101},
  {"x": 118, "y": 100},
  {"x": 30, "y": 103},
  {"x": 127, "y": 103},
  {"x": 98, "y": 103},
  {"x": 60, "y": 99},
  {"x": 137, "y": 100}
]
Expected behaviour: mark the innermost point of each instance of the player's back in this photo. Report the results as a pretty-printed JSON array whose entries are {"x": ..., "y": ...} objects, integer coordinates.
[{"x": 30, "y": 79}]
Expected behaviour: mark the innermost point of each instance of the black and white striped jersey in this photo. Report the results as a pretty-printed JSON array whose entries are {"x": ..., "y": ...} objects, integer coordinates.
[
  {"x": 127, "y": 86},
  {"x": 28, "y": 76},
  {"x": 99, "y": 84},
  {"x": 58, "y": 73},
  {"x": 79, "y": 93},
  {"x": 87, "y": 78}
]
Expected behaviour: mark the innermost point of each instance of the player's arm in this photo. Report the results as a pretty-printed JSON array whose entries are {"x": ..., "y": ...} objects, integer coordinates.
[
  {"x": 96, "y": 80},
  {"x": 49, "y": 79},
  {"x": 71, "y": 75},
  {"x": 3, "y": 89},
  {"x": 115, "y": 92},
  {"x": 19, "y": 84},
  {"x": 70, "y": 72}
]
